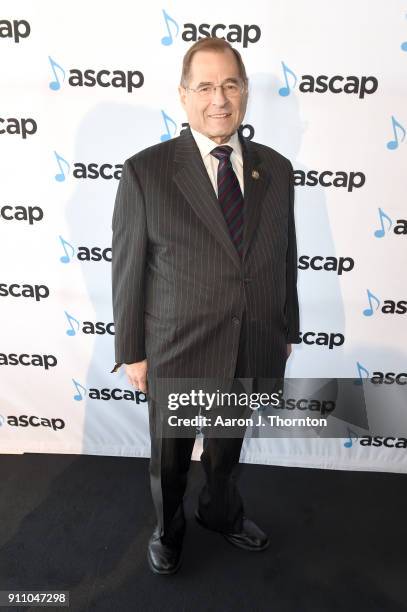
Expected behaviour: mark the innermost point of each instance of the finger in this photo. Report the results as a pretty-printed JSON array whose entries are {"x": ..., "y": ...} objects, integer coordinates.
[
  {"x": 138, "y": 384},
  {"x": 133, "y": 381},
  {"x": 143, "y": 385}
]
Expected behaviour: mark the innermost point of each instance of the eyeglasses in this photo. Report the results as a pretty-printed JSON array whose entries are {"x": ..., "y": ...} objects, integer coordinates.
[{"x": 230, "y": 89}]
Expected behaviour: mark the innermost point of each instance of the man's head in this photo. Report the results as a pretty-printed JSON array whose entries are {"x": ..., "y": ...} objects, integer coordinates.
[{"x": 216, "y": 113}]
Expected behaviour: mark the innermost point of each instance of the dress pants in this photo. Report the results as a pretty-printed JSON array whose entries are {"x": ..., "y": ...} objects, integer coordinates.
[{"x": 220, "y": 504}]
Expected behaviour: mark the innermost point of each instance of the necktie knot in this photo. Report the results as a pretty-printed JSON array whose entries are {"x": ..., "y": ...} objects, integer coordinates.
[{"x": 222, "y": 153}]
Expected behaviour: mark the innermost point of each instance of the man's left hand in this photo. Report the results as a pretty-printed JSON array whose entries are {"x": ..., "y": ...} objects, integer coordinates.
[{"x": 288, "y": 350}]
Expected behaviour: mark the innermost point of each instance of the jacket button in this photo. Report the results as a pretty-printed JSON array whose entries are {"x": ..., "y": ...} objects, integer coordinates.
[{"x": 235, "y": 321}]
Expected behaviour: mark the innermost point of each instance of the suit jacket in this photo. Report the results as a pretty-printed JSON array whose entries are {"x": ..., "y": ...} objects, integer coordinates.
[{"x": 179, "y": 287}]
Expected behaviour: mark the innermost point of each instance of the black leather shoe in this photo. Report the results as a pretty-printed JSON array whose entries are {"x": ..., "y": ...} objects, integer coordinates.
[
  {"x": 163, "y": 557},
  {"x": 250, "y": 538}
]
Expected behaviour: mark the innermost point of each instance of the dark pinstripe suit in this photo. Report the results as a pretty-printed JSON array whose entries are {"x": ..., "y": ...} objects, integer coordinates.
[{"x": 180, "y": 290}]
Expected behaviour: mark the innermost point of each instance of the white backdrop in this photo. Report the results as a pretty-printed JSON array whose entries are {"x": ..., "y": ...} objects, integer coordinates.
[{"x": 55, "y": 208}]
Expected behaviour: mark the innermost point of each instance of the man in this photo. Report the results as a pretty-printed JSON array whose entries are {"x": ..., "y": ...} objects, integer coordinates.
[{"x": 204, "y": 272}]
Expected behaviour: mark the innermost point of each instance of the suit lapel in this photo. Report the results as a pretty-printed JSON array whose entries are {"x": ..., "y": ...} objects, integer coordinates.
[
  {"x": 193, "y": 181},
  {"x": 256, "y": 181}
]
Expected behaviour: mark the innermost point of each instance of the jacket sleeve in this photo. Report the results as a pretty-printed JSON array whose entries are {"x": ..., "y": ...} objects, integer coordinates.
[
  {"x": 291, "y": 307},
  {"x": 129, "y": 248}
]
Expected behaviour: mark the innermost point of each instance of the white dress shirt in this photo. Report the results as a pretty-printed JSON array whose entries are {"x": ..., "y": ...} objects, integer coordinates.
[{"x": 206, "y": 145}]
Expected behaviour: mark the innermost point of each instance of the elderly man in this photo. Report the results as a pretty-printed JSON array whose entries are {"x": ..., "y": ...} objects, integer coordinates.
[{"x": 204, "y": 272}]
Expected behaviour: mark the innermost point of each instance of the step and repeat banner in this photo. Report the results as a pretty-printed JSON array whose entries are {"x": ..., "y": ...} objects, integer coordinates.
[{"x": 85, "y": 85}]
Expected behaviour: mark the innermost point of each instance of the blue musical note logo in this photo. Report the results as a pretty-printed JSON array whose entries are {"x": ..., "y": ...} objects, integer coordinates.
[
  {"x": 61, "y": 176},
  {"x": 393, "y": 144},
  {"x": 168, "y": 121},
  {"x": 78, "y": 397},
  {"x": 372, "y": 298},
  {"x": 285, "y": 91},
  {"x": 66, "y": 258},
  {"x": 352, "y": 438},
  {"x": 383, "y": 217},
  {"x": 71, "y": 331},
  {"x": 168, "y": 40},
  {"x": 362, "y": 371},
  {"x": 56, "y": 83}
]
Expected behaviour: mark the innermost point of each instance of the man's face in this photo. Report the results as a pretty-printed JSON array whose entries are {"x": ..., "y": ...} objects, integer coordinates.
[{"x": 219, "y": 115}]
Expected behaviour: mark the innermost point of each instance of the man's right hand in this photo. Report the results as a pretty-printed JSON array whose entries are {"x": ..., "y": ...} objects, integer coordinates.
[{"x": 137, "y": 374}]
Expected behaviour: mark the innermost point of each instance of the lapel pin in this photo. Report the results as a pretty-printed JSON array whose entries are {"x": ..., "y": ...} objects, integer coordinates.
[{"x": 255, "y": 175}]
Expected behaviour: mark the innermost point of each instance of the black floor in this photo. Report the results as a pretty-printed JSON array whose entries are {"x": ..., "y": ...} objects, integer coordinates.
[{"x": 81, "y": 523}]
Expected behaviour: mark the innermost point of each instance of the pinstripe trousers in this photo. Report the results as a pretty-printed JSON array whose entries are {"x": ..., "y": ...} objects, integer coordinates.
[{"x": 220, "y": 504}]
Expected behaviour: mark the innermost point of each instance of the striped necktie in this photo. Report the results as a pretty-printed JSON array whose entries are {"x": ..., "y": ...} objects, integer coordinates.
[{"x": 230, "y": 196}]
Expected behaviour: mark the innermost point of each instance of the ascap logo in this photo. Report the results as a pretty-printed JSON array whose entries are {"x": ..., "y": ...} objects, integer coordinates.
[
  {"x": 330, "y": 340},
  {"x": 81, "y": 170},
  {"x": 23, "y": 420},
  {"x": 38, "y": 292},
  {"x": 122, "y": 79},
  {"x": 386, "y": 307},
  {"x": 84, "y": 253},
  {"x": 106, "y": 394},
  {"x": 387, "y": 225},
  {"x": 24, "y": 359},
  {"x": 389, "y": 378},
  {"x": 329, "y": 264},
  {"x": 323, "y": 83},
  {"x": 22, "y": 127},
  {"x": 95, "y": 171},
  {"x": 117, "y": 394},
  {"x": 328, "y": 178},
  {"x": 388, "y": 441},
  {"x": 233, "y": 33},
  {"x": 21, "y": 213},
  {"x": 322, "y": 406},
  {"x": 16, "y": 29},
  {"x": 381, "y": 378},
  {"x": 88, "y": 327}
]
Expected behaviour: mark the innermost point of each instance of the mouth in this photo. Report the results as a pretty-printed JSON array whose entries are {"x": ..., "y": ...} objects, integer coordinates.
[{"x": 220, "y": 115}]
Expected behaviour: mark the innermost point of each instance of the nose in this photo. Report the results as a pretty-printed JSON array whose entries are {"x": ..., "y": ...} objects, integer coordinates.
[{"x": 219, "y": 98}]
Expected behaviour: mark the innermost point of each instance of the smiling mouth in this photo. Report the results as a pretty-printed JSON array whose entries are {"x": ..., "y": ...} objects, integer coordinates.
[{"x": 220, "y": 116}]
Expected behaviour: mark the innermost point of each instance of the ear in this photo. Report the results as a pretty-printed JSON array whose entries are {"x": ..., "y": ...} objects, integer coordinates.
[
  {"x": 245, "y": 99},
  {"x": 246, "y": 88},
  {"x": 182, "y": 95}
]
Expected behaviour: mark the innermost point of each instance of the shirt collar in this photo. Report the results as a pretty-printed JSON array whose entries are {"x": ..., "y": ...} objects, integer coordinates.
[{"x": 206, "y": 145}]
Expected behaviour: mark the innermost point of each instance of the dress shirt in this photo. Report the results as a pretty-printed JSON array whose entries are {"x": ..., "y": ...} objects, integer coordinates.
[{"x": 206, "y": 145}]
